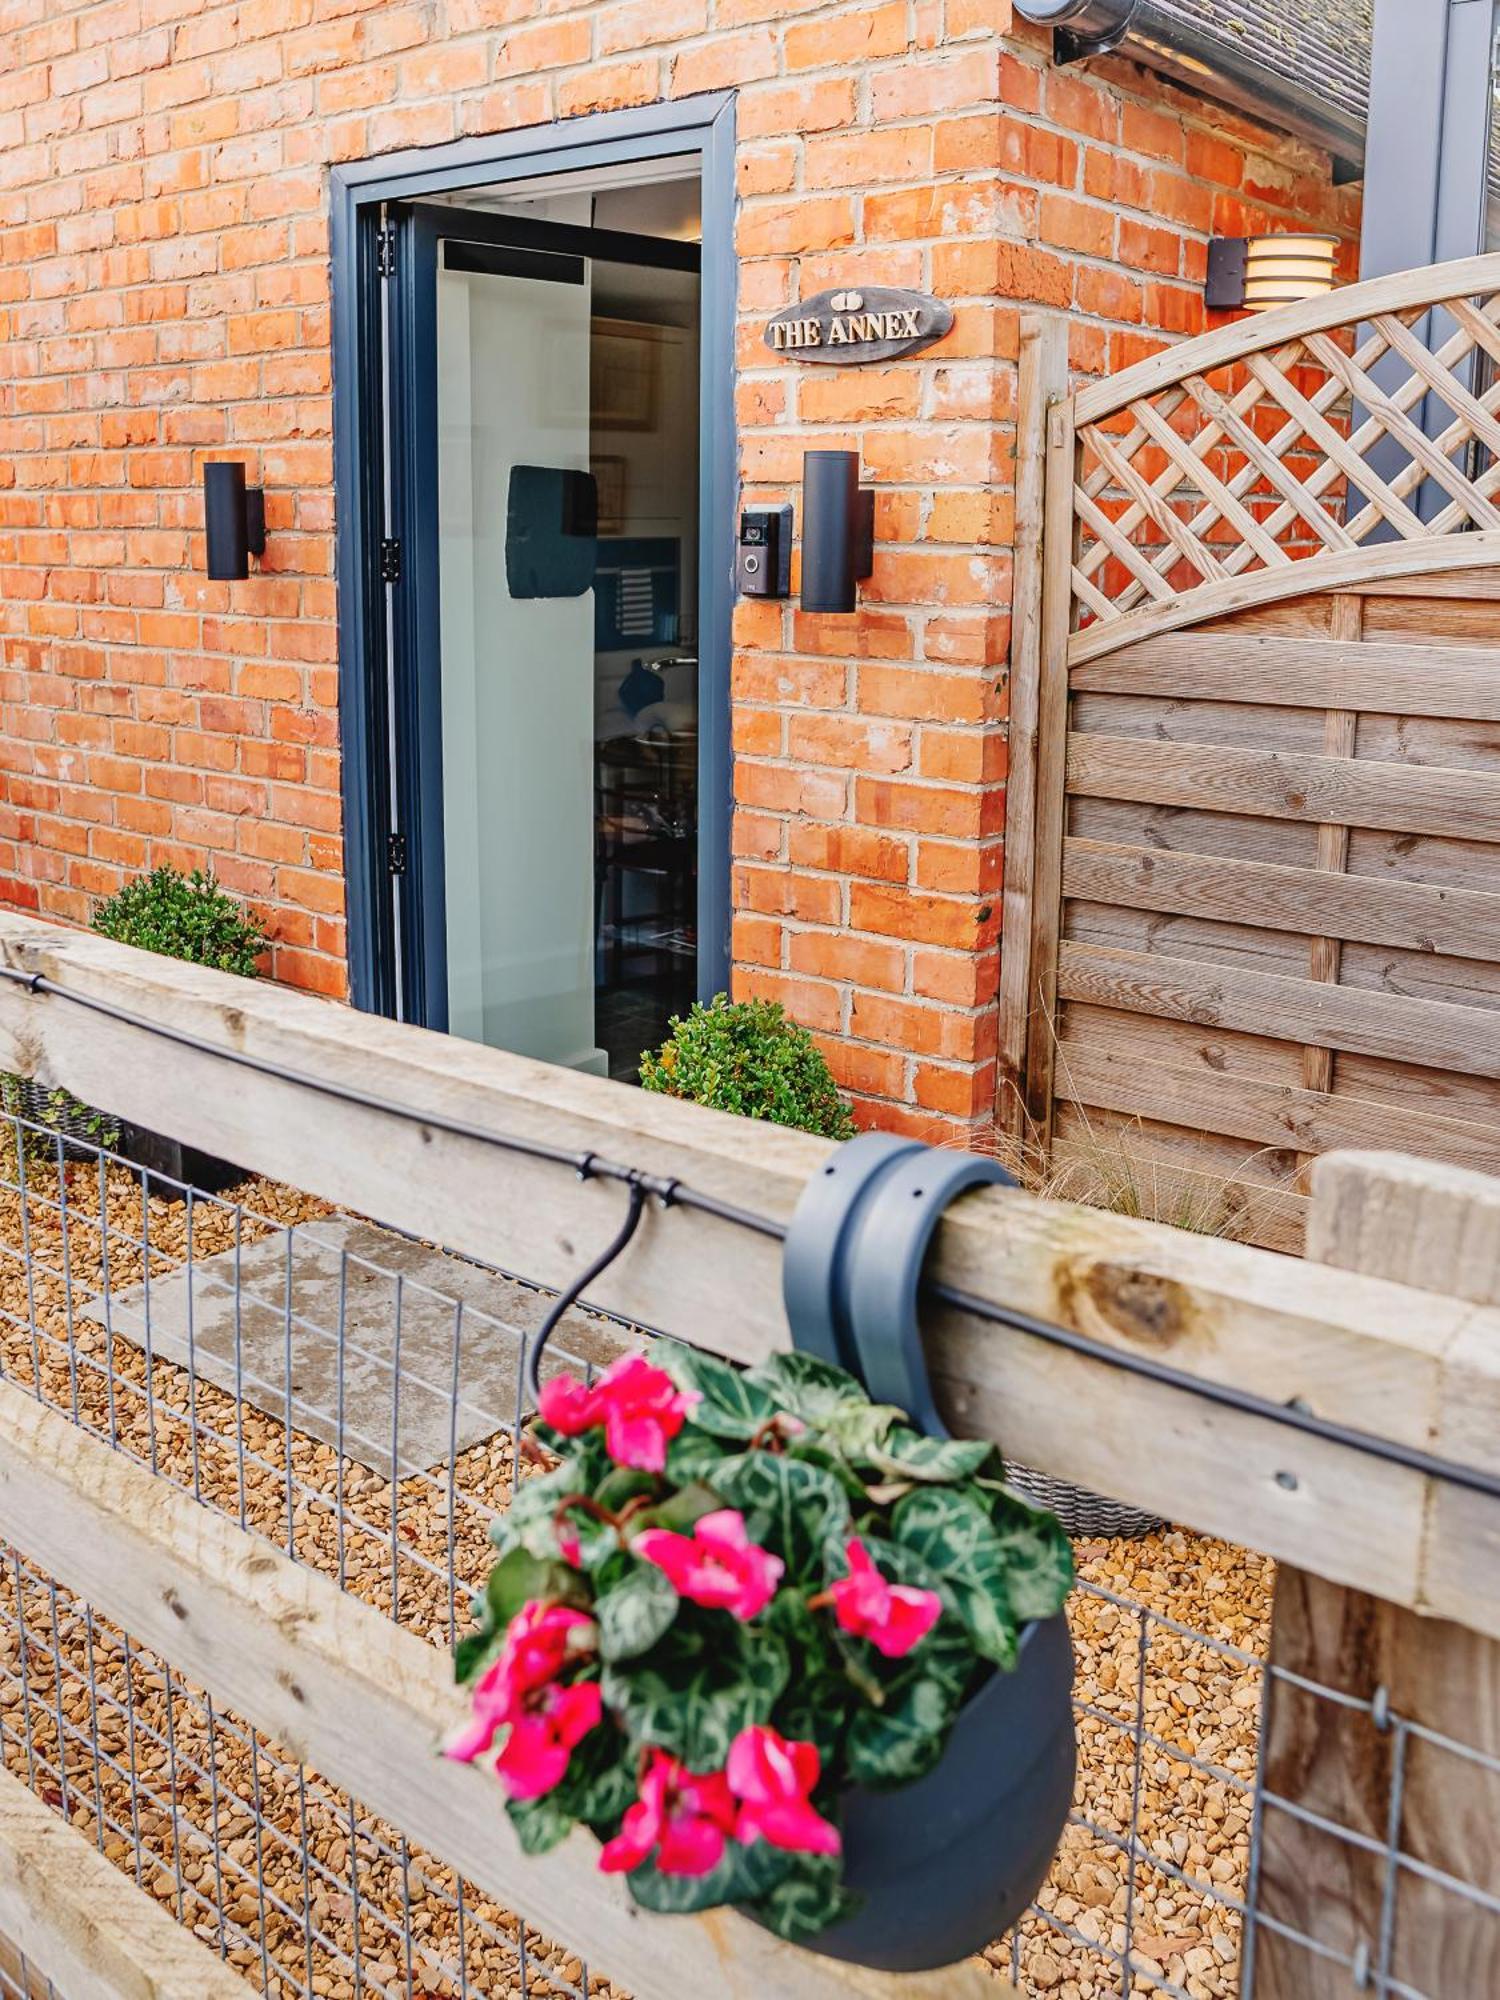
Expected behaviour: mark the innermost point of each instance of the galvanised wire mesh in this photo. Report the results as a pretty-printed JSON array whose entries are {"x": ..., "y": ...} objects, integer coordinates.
[
  {"x": 357, "y": 1396},
  {"x": 20, "y": 1979}
]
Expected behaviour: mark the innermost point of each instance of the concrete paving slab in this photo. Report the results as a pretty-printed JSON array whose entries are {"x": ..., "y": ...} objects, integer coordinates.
[{"x": 276, "y": 1326}]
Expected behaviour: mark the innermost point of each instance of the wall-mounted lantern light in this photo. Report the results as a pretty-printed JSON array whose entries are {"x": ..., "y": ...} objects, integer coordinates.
[
  {"x": 234, "y": 515},
  {"x": 1082, "y": 27},
  {"x": 838, "y": 530},
  {"x": 1254, "y": 273}
]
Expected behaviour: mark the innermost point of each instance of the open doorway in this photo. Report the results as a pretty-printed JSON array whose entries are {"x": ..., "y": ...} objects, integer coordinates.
[{"x": 552, "y": 646}]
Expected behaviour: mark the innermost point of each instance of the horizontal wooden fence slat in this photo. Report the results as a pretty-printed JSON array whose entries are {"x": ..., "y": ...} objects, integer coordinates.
[
  {"x": 366, "y": 1704},
  {"x": 1457, "y": 681},
  {"x": 1363, "y": 567},
  {"x": 86, "y": 1925},
  {"x": 1433, "y": 1032},
  {"x": 1409, "y": 916},
  {"x": 1351, "y": 1349},
  {"x": 1406, "y": 798},
  {"x": 1264, "y": 1114}
]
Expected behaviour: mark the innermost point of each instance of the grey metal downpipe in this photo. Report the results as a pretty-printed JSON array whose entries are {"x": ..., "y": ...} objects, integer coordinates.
[{"x": 1169, "y": 35}]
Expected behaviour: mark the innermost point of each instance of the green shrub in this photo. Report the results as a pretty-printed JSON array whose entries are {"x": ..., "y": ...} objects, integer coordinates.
[
  {"x": 184, "y": 916},
  {"x": 746, "y": 1056}
]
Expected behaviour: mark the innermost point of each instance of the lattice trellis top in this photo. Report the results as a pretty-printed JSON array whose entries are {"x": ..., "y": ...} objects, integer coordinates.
[{"x": 1358, "y": 433}]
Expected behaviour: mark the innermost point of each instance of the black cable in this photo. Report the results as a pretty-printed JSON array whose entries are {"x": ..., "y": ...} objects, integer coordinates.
[
  {"x": 587, "y": 1165},
  {"x": 673, "y": 1193},
  {"x": 1245, "y": 1401},
  {"x": 579, "y": 1286}
]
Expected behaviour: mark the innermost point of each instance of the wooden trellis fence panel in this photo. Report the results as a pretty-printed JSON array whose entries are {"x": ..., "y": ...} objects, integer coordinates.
[{"x": 1253, "y": 906}]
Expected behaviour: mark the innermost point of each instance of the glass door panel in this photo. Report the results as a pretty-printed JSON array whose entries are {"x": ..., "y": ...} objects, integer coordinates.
[{"x": 553, "y": 796}]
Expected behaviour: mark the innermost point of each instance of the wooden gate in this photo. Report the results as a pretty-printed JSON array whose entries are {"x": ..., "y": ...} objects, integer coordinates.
[{"x": 1252, "y": 902}]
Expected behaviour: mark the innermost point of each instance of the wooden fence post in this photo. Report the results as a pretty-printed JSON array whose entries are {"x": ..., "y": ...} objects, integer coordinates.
[
  {"x": 1035, "y": 662},
  {"x": 1436, "y": 1229}
]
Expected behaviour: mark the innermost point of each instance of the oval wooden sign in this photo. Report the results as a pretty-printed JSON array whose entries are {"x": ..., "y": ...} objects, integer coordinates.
[{"x": 858, "y": 323}]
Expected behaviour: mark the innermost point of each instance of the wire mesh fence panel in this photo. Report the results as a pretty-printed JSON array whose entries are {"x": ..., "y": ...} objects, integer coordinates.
[{"x": 358, "y": 1396}]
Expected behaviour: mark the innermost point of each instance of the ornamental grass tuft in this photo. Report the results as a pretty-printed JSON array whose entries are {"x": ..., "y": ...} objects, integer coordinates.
[{"x": 746, "y": 1056}]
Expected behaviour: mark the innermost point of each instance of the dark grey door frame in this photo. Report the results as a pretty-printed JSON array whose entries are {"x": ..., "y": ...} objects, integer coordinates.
[
  {"x": 1428, "y": 136},
  {"x": 1426, "y": 152},
  {"x": 378, "y": 733}
]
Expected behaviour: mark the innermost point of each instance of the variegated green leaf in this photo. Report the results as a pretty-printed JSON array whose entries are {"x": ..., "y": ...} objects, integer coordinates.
[
  {"x": 635, "y": 1613},
  {"x": 807, "y": 1899},
  {"x": 807, "y": 1386},
  {"x": 540, "y": 1824},
  {"x": 692, "y": 1701},
  {"x": 745, "y": 1873},
  {"x": 891, "y": 1745},
  {"x": 1037, "y": 1555},
  {"x": 798, "y": 1506},
  {"x": 907, "y": 1454},
  {"x": 954, "y": 1537},
  {"x": 733, "y": 1406}
]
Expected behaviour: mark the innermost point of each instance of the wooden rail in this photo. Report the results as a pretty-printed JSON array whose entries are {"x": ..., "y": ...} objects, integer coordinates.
[
  {"x": 366, "y": 1704},
  {"x": 1377, "y": 1357},
  {"x": 85, "y": 1925}
]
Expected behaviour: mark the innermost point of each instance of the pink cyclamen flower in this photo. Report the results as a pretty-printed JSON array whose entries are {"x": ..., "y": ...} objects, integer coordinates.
[
  {"x": 717, "y": 1565},
  {"x": 641, "y": 1408},
  {"x": 894, "y": 1617},
  {"x": 539, "y": 1642},
  {"x": 554, "y": 1720},
  {"x": 568, "y": 1405},
  {"x": 773, "y": 1781},
  {"x": 686, "y": 1817}
]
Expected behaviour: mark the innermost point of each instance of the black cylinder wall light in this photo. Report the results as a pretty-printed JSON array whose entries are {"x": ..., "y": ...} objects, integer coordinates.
[
  {"x": 234, "y": 516},
  {"x": 838, "y": 530}
]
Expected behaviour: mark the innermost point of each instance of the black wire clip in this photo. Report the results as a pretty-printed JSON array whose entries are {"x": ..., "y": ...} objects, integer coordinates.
[{"x": 854, "y": 1257}]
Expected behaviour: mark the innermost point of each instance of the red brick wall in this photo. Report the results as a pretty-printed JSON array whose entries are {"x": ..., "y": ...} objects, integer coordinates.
[{"x": 164, "y": 297}]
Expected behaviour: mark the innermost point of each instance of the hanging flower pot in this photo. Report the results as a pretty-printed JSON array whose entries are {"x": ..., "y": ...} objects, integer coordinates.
[{"x": 779, "y": 1649}]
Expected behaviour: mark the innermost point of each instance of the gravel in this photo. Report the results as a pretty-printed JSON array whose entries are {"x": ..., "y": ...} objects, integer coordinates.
[{"x": 318, "y": 1899}]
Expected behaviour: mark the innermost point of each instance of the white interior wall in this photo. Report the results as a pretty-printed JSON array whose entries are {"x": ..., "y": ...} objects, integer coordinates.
[{"x": 517, "y": 677}]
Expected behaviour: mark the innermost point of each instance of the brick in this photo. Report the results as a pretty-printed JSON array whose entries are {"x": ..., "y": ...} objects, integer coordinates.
[
  {"x": 858, "y": 961},
  {"x": 842, "y": 39},
  {"x": 774, "y": 111},
  {"x": 850, "y": 741},
  {"x": 786, "y": 228},
  {"x": 724, "y": 62},
  {"x": 872, "y": 1072},
  {"x": 946, "y": 83},
  {"x": 858, "y": 160},
  {"x": 639, "y": 24},
  {"x": 813, "y": 1003},
  {"x": 608, "y": 89}
]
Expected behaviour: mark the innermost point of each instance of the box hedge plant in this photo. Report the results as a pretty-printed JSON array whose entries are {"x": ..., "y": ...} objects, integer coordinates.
[
  {"x": 184, "y": 916},
  {"x": 747, "y": 1056}
]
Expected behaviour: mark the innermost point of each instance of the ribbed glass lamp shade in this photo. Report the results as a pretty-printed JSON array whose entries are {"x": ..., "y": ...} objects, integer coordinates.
[{"x": 1279, "y": 270}]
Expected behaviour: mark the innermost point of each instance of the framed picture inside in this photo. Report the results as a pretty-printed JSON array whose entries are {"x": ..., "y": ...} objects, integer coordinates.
[
  {"x": 626, "y": 357},
  {"x": 610, "y": 475}
]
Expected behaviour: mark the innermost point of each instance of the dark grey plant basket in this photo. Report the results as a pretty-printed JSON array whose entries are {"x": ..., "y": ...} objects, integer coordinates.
[
  {"x": 947, "y": 1865},
  {"x": 944, "y": 1866}
]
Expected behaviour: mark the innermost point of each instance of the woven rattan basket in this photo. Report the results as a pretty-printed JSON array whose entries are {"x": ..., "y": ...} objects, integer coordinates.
[
  {"x": 45, "y": 1112},
  {"x": 1084, "y": 1515}
]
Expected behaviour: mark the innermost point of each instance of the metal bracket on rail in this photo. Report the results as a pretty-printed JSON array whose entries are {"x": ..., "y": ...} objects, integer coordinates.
[{"x": 854, "y": 1257}]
